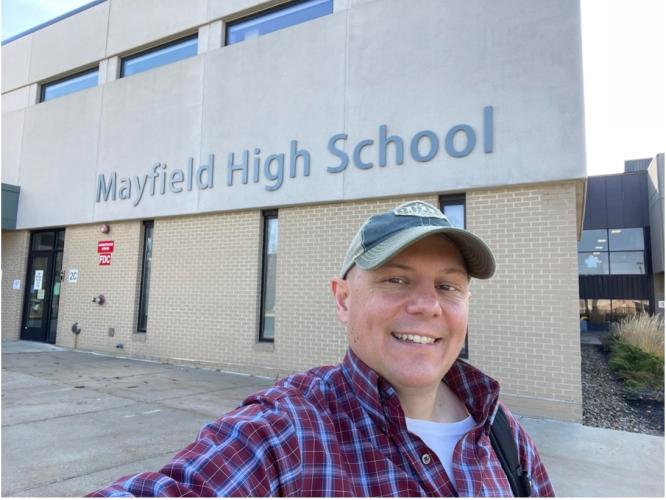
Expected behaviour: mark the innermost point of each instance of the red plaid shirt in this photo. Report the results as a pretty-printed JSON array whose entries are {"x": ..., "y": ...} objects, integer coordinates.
[{"x": 338, "y": 431}]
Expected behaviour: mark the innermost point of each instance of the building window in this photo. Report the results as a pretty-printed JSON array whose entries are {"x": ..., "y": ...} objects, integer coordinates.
[
  {"x": 598, "y": 314},
  {"x": 612, "y": 251},
  {"x": 268, "y": 277},
  {"x": 593, "y": 263},
  {"x": 453, "y": 206},
  {"x": 627, "y": 263},
  {"x": 159, "y": 56},
  {"x": 595, "y": 314},
  {"x": 145, "y": 275},
  {"x": 276, "y": 19},
  {"x": 68, "y": 85}
]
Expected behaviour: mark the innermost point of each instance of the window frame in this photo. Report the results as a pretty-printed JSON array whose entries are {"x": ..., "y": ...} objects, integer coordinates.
[
  {"x": 156, "y": 48},
  {"x": 43, "y": 87},
  {"x": 266, "y": 216},
  {"x": 609, "y": 252},
  {"x": 454, "y": 200},
  {"x": 266, "y": 12},
  {"x": 141, "y": 324}
]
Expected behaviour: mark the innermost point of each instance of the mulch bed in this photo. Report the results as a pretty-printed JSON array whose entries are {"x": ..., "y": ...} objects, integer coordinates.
[{"x": 605, "y": 404}]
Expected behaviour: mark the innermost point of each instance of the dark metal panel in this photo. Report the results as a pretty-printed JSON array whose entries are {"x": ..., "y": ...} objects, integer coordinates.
[
  {"x": 637, "y": 165},
  {"x": 614, "y": 287},
  {"x": 633, "y": 205},
  {"x": 614, "y": 201},
  {"x": 595, "y": 204}
]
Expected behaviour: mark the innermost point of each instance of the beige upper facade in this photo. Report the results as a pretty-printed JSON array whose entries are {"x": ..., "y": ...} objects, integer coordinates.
[{"x": 501, "y": 81}]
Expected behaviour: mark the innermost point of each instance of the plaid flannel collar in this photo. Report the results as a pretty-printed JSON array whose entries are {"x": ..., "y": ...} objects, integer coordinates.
[{"x": 479, "y": 392}]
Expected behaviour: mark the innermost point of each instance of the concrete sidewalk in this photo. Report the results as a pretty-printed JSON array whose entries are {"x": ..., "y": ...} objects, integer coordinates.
[{"x": 73, "y": 422}]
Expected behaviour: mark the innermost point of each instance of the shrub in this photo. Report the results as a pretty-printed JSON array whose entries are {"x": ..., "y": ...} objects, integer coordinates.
[
  {"x": 640, "y": 370},
  {"x": 643, "y": 331}
]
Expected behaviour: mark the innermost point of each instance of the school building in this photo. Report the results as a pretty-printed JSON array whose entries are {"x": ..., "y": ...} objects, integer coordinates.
[{"x": 181, "y": 180}]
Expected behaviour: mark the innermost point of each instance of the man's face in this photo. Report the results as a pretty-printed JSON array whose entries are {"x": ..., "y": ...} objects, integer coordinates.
[{"x": 407, "y": 320}]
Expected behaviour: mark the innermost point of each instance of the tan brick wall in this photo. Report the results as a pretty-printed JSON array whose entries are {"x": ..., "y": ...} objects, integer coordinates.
[
  {"x": 117, "y": 282},
  {"x": 524, "y": 327},
  {"x": 14, "y": 267},
  {"x": 205, "y": 291}
]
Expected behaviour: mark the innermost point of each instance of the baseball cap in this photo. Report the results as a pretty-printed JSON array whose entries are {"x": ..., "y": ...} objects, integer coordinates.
[{"x": 385, "y": 235}]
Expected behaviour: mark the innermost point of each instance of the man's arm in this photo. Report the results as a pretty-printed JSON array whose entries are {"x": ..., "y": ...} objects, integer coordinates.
[{"x": 248, "y": 452}]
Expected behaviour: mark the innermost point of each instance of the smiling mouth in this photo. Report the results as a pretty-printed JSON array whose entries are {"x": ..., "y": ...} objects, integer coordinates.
[{"x": 414, "y": 339}]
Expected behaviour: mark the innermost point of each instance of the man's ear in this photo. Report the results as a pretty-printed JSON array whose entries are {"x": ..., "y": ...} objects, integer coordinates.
[{"x": 340, "y": 289}]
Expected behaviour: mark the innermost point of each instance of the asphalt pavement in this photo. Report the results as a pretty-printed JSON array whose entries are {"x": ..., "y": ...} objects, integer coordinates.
[{"x": 74, "y": 421}]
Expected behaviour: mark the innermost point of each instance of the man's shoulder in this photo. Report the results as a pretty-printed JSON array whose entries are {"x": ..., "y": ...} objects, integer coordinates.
[{"x": 316, "y": 387}]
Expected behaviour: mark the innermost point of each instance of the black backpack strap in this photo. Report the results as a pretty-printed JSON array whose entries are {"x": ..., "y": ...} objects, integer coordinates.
[{"x": 504, "y": 445}]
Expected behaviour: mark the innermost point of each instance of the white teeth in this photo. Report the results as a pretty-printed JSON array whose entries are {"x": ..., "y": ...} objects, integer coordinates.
[{"x": 417, "y": 339}]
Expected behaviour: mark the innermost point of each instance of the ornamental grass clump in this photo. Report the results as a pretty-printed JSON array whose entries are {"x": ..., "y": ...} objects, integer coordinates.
[{"x": 643, "y": 331}]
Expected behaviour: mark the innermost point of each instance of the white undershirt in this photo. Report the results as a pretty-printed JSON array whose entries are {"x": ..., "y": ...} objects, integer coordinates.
[{"x": 441, "y": 437}]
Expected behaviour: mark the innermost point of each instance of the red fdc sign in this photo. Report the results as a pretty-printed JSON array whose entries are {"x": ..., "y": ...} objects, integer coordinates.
[
  {"x": 105, "y": 259},
  {"x": 105, "y": 247}
]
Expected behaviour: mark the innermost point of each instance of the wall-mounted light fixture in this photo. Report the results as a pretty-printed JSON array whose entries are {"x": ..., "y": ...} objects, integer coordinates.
[{"x": 104, "y": 228}]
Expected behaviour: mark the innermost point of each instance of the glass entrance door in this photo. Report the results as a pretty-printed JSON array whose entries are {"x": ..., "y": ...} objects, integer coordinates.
[{"x": 40, "y": 313}]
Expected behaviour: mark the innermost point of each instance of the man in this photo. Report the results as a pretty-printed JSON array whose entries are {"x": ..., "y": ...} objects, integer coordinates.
[{"x": 400, "y": 416}]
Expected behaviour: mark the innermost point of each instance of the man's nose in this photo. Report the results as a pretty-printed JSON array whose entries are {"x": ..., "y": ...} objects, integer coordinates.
[{"x": 424, "y": 300}]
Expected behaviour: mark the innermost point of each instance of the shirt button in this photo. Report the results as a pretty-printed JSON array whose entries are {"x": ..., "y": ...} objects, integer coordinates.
[{"x": 425, "y": 458}]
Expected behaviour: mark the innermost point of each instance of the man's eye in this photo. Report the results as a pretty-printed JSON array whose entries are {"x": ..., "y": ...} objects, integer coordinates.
[
  {"x": 396, "y": 281},
  {"x": 447, "y": 287}
]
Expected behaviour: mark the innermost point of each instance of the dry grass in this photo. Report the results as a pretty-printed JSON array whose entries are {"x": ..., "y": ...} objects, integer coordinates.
[{"x": 643, "y": 331}]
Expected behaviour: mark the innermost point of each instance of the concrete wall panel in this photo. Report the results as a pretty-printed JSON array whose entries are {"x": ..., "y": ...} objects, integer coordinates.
[
  {"x": 16, "y": 99},
  {"x": 348, "y": 72},
  {"x": 476, "y": 55},
  {"x": 58, "y": 158},
  {"x": 288, "y": 85},
  {"x": 148, "y": 118},
  {"x": 129, "y": 30},
  {"x": 16, "y": 63},
  {"x": 217, "y": 9},
  {"x": 12, "y": 132},
  {"x": 70, "y": 44}
]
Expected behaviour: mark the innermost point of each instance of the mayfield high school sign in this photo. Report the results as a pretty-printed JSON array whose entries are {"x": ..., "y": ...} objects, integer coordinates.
[{"x": 458, "y": 142}]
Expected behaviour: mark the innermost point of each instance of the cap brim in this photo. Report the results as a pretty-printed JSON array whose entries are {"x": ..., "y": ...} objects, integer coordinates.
[{"x": 478, "y": 258}]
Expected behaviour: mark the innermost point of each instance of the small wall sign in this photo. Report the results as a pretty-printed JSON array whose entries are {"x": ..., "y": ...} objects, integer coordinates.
[
  {"x": 39, "y": 275},
  {"x": 16, "y": 284},
  {"x": 73, "y": 276},
  {"x": 105, "y": 246},
  {"x": 105, "y": 259}
]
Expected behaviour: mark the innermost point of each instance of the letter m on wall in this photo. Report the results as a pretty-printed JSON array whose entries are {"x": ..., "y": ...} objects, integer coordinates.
[{"x": 105, "y": 190}]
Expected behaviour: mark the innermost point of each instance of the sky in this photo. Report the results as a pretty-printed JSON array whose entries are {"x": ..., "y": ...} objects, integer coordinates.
[{"x": 624, "y": 72}]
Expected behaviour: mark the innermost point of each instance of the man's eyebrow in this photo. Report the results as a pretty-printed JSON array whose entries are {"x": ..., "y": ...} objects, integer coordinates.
[{"x": 397, "y": 265}]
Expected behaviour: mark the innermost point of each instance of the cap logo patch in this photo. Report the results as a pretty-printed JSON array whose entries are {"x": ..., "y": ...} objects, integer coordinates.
[{"x": 419, "y": 209}]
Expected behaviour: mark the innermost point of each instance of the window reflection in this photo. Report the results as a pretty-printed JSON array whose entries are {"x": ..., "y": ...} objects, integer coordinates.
[
  {"x": 68, "y": 85},
  {"x": 593, "y": 263},
  {"x": 627, "y": 263},
  {"x": 159, "y": 56},
  {"x": 276, "y": 19},
  {"x": 269, "y": 278},
  {"x": 593, "y": 240},
  {"x": 626, "y": 239}
]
